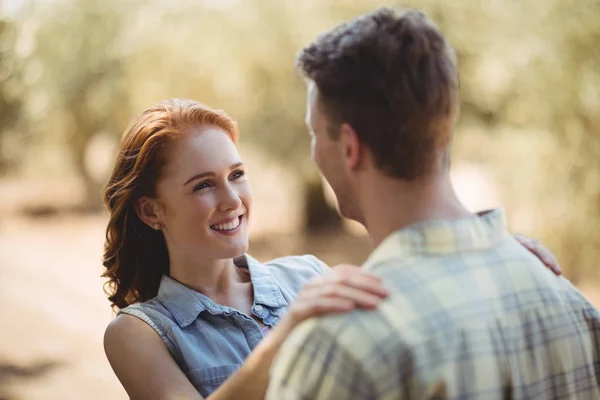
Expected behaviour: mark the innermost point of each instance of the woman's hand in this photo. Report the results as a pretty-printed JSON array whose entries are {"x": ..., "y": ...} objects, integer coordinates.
[
  {"x": 538, "y": 250},
  {"x": 343, "y": 289}
]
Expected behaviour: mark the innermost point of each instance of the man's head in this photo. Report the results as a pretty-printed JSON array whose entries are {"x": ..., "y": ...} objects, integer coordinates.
[{"x": 382, "y": 96}]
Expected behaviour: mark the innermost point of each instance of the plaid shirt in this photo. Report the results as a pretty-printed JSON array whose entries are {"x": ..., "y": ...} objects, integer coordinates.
[{"x": 472, "y": 315}]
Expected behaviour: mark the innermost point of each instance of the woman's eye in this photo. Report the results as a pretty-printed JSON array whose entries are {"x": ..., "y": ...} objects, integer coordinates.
[
  {"x": 202, "y": 185},
  {"x": 237, "y": 174}
]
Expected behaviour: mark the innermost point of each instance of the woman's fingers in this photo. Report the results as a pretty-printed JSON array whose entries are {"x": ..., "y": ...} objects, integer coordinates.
[
  {"x": 541, "y": 252},
  {"x": 358, "y": 296},
  {"x": 357, "y": 278},
  {"x": 316, "y": 306},
  {"x": 362, "y": 291},
  {"x": 344, "y": 288},
  {"x": 546, "y": 257},
  {"x": 326, "y": 305}
]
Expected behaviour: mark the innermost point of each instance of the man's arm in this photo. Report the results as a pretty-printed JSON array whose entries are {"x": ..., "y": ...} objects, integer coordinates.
[{"x": 314, "y": 364}]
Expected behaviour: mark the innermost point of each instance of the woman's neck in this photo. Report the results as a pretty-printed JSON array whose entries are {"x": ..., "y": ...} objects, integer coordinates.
[{"x": 221, "y": 280}]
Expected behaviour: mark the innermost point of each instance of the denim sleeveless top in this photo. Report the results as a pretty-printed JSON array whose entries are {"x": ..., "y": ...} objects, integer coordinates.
[{"x": 210, "y": 341}]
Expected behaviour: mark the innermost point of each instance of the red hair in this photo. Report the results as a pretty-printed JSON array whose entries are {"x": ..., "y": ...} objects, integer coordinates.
[{"x": 135, "y": 255}]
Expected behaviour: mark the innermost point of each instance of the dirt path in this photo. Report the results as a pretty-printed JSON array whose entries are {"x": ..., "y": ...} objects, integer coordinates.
[{"x": 53, "y": 312}]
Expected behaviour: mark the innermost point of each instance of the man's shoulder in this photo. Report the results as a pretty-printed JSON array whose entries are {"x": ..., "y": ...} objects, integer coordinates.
[{"x": 358, "y": 332}]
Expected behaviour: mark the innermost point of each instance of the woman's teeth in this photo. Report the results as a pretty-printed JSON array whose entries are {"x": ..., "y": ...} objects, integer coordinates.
[{"x": 228, "y": 226}]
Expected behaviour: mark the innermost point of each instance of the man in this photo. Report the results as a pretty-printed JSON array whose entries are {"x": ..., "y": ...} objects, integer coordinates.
[{"x": 472, "y": 314}]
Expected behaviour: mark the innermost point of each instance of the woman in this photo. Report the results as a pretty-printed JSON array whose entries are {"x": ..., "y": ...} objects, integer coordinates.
[{"x": 198, "y": 316}]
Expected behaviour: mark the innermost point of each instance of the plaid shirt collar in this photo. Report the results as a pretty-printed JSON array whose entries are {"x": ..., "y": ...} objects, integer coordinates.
[{"x": 442, "y": 238}]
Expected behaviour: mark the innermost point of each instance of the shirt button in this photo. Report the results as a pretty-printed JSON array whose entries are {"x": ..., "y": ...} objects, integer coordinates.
[{"x": 258, "y": 308}]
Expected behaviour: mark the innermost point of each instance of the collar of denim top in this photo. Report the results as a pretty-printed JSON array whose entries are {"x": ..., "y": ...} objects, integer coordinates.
[{"x": 186, "y": 304}]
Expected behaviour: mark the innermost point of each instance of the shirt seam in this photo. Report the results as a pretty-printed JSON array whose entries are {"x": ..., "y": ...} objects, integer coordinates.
[{"x": 145, "y": 318}]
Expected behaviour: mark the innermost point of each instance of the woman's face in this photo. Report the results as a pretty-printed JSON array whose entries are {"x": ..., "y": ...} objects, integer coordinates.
[{"x": 204, "y": 196}]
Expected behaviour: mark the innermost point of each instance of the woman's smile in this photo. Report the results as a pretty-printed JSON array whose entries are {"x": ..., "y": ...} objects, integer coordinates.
[{"x": 228, "y": 227}]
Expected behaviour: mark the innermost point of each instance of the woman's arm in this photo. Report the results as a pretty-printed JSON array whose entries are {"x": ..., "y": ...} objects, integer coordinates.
[
  {"x": 251, "y": 380},
  {"x": 344, "y": 288},
  {"x": 146, "y": 370},
  {"x": 142, "y": 362}
]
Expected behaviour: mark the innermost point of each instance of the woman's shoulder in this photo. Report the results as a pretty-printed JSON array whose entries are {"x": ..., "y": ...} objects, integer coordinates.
[
  {"x": 143, "y": 309},
  {"x": 124, "y": 331},
  {"x": 125, "y": 325},
  {"x": 150, "y": 312}
]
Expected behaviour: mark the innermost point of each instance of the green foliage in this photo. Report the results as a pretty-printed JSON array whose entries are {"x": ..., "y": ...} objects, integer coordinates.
[{"x": 81, "y": 88}]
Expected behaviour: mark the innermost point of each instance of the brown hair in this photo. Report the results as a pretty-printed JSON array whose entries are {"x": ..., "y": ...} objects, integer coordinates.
[
  {"x": 135, "y": 255},
  {"x": 393, "y": 78}
]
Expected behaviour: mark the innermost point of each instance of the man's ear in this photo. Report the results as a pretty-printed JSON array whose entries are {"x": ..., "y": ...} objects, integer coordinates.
[
  {"x": 149, "y": 211},
  {"x": 351, "y": 147}
]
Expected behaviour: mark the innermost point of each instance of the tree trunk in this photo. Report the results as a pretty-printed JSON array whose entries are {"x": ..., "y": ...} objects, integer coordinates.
[
  {"x": 319, "y": 216},
  {"x": 92, "y": 199}
]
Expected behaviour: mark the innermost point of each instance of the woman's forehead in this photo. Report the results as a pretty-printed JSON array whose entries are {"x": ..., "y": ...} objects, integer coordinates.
[{"x": 206, "y": 149}]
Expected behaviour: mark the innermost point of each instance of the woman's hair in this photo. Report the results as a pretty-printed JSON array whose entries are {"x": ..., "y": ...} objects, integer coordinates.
[{"x": 135, "y": 255}]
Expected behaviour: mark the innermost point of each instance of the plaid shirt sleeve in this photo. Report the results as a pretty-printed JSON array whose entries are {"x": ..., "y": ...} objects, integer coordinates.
[{"x": 313, "y": 365}]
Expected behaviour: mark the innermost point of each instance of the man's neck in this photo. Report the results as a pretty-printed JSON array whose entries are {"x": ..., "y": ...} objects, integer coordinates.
[{"x": 389, "y": 204}]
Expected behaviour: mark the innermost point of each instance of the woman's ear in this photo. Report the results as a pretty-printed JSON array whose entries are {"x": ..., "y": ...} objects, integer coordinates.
[{"x": 149, "y": 211}]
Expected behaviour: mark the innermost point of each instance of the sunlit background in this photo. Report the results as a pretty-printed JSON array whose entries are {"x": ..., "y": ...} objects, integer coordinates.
[{"x": 74, "y": 72}]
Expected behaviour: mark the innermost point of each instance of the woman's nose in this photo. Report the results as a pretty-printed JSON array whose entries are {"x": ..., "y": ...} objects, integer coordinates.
[{"x": 229, "y": 199}]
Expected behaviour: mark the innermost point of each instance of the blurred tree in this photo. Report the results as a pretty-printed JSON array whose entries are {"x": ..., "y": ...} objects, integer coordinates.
[
  {"x": 530, "y": 86},
  {"x": 535, "y": 71},
  {"x": 274, "y": 119},
  {"x": 562, "y": 86},
  {"x": 11, "y": 95},
  {"x": 77, "y": 45}
]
